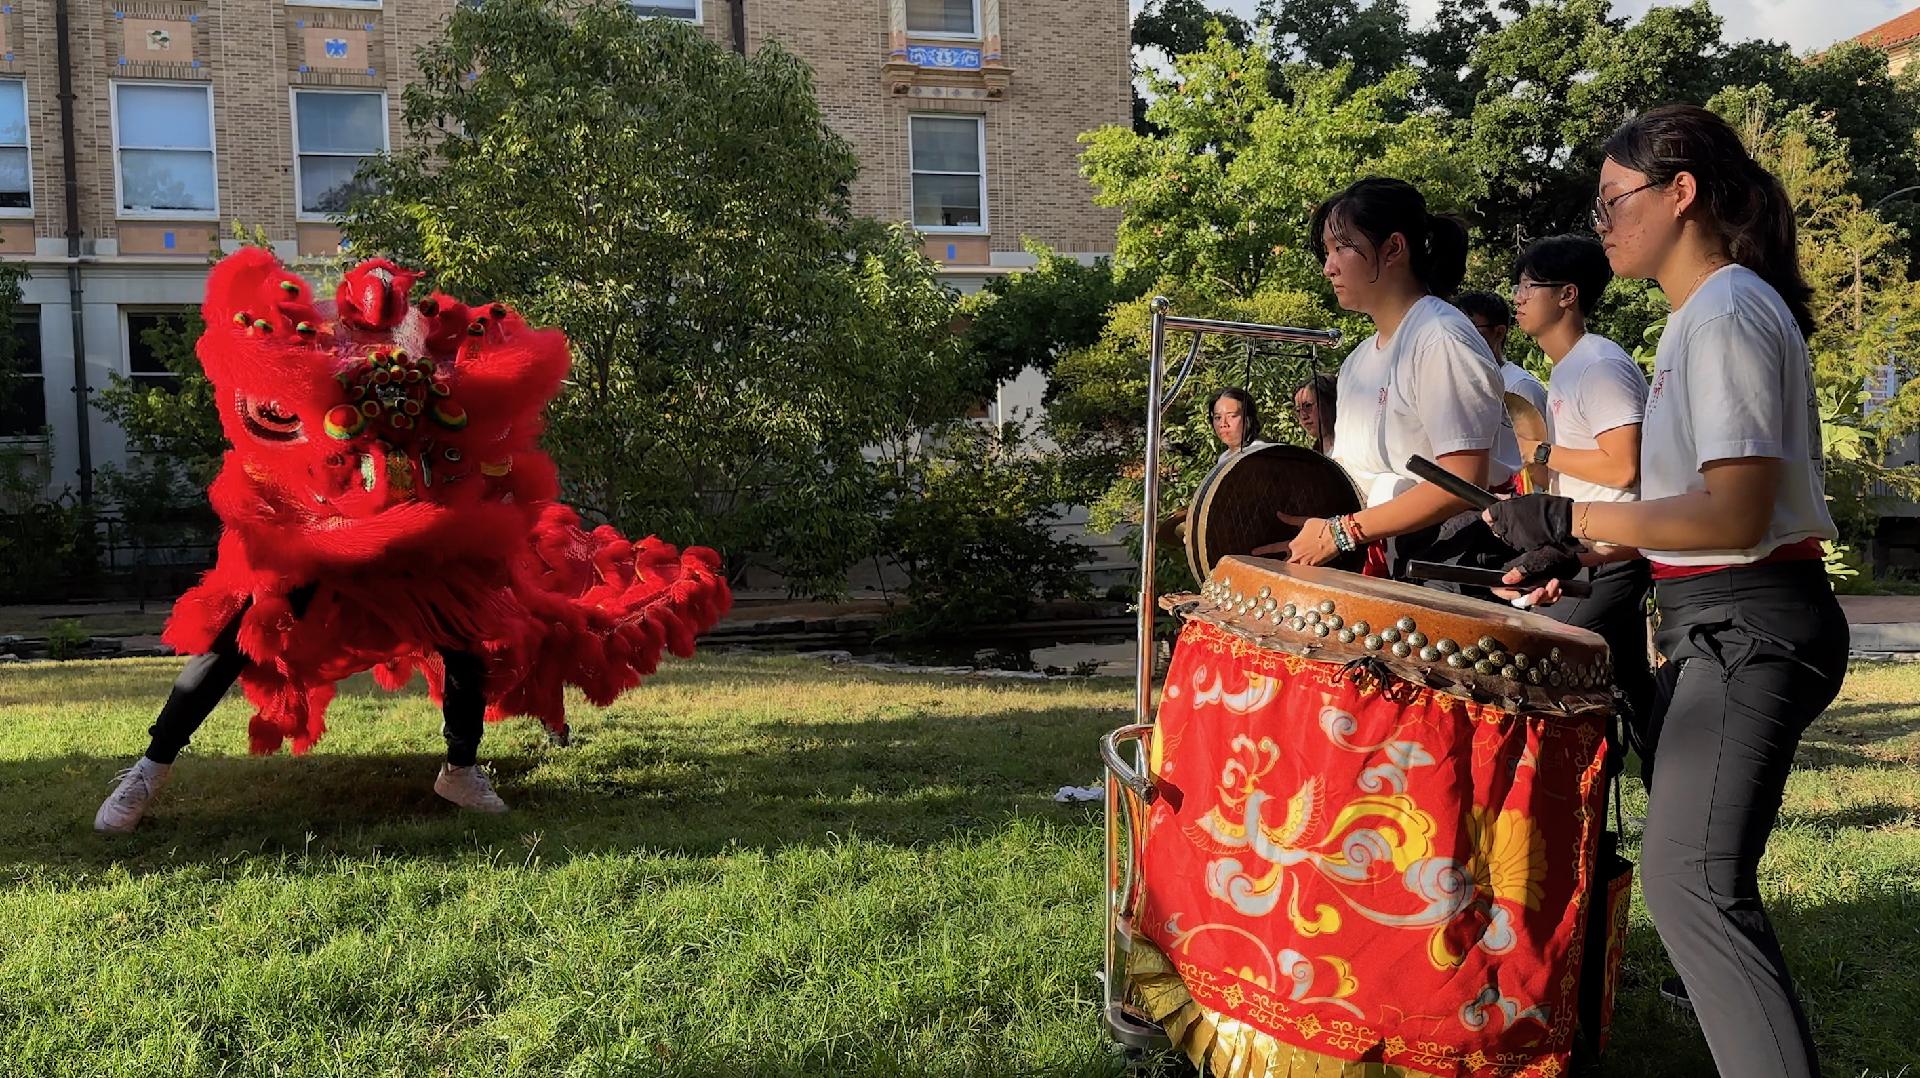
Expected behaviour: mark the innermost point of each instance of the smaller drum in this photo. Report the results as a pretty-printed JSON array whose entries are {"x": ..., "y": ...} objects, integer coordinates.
[{"x": 1238, "y": 505}]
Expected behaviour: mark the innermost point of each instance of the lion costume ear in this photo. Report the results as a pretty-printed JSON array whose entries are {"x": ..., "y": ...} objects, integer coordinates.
[{"x": 261, "y": 324}]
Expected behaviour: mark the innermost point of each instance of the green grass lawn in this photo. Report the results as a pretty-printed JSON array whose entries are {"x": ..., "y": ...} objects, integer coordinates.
[{"x": 752, "y": 866}]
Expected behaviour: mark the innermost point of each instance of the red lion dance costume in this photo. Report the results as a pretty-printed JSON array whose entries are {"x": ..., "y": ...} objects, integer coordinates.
[{"x": 385, "y": 475}]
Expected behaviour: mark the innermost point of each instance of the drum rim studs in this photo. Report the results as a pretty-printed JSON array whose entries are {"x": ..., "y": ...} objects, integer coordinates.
[
  {"x": 1405, "y": 625},
  {"x": 1327, "y": 606},
  {"x": 1372, "y": 642},
  {"x": 1361, "y": 628},
  {"x": 1320, "y": 630},
  {"x": 1390, "y": 635},
  {"x": 1418, "y": 640},
  {"x": 1346, "y": 636},
  {"x": 1429, "y": 654},
  {"x": 1447, "y": 647},
  {"x": 1402, "y": 650}
]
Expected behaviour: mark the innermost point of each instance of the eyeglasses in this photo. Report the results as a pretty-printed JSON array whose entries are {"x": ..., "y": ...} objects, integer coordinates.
[
  {"x": 1603, "y": 208},
  {"x": 1525, "y": 285}
]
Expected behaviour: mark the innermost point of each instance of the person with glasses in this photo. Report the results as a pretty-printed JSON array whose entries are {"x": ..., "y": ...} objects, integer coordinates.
[
  {"x": 1732, "y": 514},
  {"x": 1596, "y": 400},
  {"x": 1493, "y": 319},
  {"x": 1316, "y": 408},
  {"x": 1425, "y": 383}
]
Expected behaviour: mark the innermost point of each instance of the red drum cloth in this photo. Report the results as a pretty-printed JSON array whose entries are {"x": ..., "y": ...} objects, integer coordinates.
[{"x": 1345, "y": 873}]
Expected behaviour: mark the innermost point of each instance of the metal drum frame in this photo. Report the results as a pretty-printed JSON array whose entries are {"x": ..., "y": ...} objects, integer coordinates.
[{"x": 1129, "y": 790}]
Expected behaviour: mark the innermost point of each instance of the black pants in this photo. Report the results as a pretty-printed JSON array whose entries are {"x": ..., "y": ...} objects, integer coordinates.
[
  {"x": 1617, "y": 611},
  {"x": 207, "y": 678},
  {"x": 1754, "y": 655}
]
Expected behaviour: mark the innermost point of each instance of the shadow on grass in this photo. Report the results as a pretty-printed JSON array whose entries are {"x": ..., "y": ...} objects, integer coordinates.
[
  {"x": 623, "y": 787},
  {"x": 1854, "y": 962}
]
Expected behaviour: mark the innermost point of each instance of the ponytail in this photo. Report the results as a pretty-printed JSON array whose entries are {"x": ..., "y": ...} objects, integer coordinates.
[
  {"x": 1377, "y": 207},
  {"x": 1743, "y": 203}
]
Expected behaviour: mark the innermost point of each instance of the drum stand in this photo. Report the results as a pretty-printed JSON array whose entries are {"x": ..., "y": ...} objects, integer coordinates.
[{"x": 1129, "y": 790}]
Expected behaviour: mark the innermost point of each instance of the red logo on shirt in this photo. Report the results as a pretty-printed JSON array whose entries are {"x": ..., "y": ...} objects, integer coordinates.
[
  {"x": 1556, "y": 406},
  {"x": 1659, "y": 383},
  {"x": 1382, "y": 402}
]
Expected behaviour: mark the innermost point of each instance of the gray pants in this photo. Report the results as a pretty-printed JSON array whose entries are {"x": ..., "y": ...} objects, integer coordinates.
[{"x": 1754, "y": 655}]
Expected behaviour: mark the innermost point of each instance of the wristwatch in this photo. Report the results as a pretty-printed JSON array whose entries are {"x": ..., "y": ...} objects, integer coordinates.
[{"x": 1541, "y": 452}]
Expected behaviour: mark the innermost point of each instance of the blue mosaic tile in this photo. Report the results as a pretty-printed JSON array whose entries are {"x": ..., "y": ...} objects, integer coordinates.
[
  {"x": 371, "y": 73},
  {"x": 166, "y": 240},
  {"x": 369, "y": 28},
  {"x": 303, "y": 69}
]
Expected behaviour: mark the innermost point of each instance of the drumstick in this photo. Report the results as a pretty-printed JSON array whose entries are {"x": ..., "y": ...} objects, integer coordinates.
[
  {"x": 1478, "y": 497},
  {"x": 1485, "y": 578}
]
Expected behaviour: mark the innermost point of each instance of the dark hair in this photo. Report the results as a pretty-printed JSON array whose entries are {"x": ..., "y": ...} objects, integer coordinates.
[
  {"x": 1486, "y": 305},
  {"x": 1580, "y": 261},
  {"x": 1377, "y": 207},
  {"x": 1740, "y": 200},
  {"x": 1326, "y": 406},
  {"x": 1249, "y": 410}
]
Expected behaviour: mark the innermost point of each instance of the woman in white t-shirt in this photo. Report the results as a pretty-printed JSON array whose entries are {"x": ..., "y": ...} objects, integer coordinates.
[
  {"x": 1732, "y": 515},
  {"x": 1423, "y": 384}
]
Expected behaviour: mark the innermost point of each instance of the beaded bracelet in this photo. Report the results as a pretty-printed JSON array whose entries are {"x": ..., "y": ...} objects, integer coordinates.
[{"x": 1342, "y": 541}]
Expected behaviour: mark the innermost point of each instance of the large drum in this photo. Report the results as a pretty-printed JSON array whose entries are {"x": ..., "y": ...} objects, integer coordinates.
[
  {"x": 1237, "y": 506},
  {"x": 1371, "y": 842}
]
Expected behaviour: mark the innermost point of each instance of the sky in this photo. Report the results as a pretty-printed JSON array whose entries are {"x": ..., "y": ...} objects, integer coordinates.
[{"x": 1803, "y": 24}]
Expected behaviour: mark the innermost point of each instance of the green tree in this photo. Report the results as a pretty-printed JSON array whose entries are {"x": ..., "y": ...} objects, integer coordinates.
[
  {"x": 1866, "y": 312},
  {"x": 1555, "y": 82},
  {"x": 1219, "y": 198},
  {"x": 1029, "y": 319},
  {"x": 682, "y": 211},
  {"x": 1167, "y": 28}
]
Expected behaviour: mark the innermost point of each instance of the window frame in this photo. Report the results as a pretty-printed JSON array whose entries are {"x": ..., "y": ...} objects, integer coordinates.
[
  {"x": 213, "y": 151},
  {"x": 986, "y": 218},
  {"x": 699, "y": 12},
  {"x": 300, "y": 212},
  {"x": 26, "y": 124},
  {"x": 40, "y": 377},
  {"x": 977, "y": 34},
  {"x": 127, "y": 313}
]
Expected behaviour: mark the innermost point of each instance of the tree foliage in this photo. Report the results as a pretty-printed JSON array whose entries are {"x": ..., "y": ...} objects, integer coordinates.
[{"x": 682, "y": 211}]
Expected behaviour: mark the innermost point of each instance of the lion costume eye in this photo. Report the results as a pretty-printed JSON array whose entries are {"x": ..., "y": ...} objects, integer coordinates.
[{"x": 266, "y": 421}]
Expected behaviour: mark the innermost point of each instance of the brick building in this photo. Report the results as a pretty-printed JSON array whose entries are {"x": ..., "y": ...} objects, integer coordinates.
[
  {"x": 191, "y": 114},
  {"x": 1899, "y": 38}
]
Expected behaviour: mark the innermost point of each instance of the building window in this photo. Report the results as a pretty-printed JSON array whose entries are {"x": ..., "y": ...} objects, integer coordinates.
[
  {"x": 23, "y": 404},
  {"x": 163, "y": 146},
  {"x": 333, "y": 135},
  {"x": 944, "y": 18},
  {"x": 669, "y": 9},
  {"x": 949, "y": 173},
  {"x": 144, "y": 364},
  {"x": 16, "y": 175}
]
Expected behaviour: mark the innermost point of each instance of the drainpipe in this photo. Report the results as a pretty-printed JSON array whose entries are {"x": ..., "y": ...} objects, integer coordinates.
[
  {"x": 740, "y": 26},
  {"x": 75, "y": 291}
]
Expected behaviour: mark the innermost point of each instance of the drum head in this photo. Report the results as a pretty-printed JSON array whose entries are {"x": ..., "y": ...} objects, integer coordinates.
[{"x": 1238, "y": 504}]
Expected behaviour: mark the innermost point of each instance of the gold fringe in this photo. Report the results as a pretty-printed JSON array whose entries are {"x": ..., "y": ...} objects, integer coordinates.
[{"x": 1226, "y": 1047}]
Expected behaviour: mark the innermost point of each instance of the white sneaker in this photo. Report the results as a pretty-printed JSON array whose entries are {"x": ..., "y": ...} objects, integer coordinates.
[
  {"x": 121, "y": 811},
  {"x": 468, "y": 787}
]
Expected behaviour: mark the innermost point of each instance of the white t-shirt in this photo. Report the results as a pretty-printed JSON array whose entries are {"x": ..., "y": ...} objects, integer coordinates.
[
  {"x": 1433, "y": 389},
  {"x": 1596, "y": 387},
  {"x": 1247, "y": 448},
  {"x": 1515, "y": 379},
  {"x": 1732, "y": 378}
]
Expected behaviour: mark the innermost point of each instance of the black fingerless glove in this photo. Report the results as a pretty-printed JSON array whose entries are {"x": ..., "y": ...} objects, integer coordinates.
[
  {"x": 1532, "y": 521},
  {"x": 1543, "y": 564}
]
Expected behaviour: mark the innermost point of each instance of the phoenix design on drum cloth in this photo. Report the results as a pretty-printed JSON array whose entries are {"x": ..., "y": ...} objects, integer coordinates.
[
  {"x": 384, "y": 454},
  {"x": 1362, "y": 868}
]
